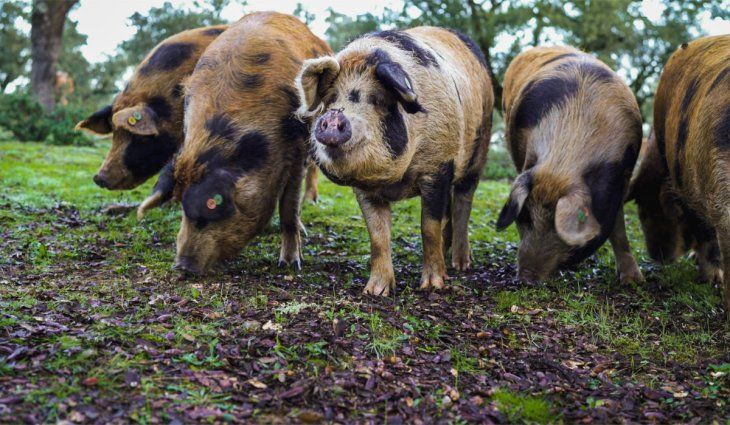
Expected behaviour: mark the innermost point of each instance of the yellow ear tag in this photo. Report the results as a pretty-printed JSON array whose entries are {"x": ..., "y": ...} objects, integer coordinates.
[{"x": 132, "y": 120}]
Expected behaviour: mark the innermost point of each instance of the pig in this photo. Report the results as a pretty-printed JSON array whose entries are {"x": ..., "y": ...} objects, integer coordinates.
[
  {"x": 683, "y": 186},
  {"x": 146, "y": 119},
  {"x": 244, "y": 149},
  {"x": 573, "y": 129},
  {"x": 399, "y": 114}
]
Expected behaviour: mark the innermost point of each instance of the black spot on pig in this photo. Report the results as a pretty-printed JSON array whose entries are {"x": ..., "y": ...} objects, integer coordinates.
[
  {"x": 436, "y": 194},
  {"x": 596, "y": 72},
  {"x": 213, "y": 32},
  {"x": 559, "y": 57},
  {"x": 221, "y": 127},
  {"x": 250, "y": 81},
  {"x": 511, "y": 209},
  {"x": 722, "y": 131},
  {"x": 702, "y": 232},
  {"x": 407, "y": 43},
  {"x": 101, "y": 120},
  {"x": 354, "y": 96},
  {"x": 473, "y": 47},
  {"x": 161, "y": 106},
  {"x": 215, "y": 183},
  {"x": 252, "y": 151},
  {"x": 395, "y": 133},
  {"x": 167, "y": 57},
  {"x": 539, "y": 97},
  {"x": 178, "y": 90},
  {"x": 292, "y": 129},
  {"x": 145, "y": 155}
]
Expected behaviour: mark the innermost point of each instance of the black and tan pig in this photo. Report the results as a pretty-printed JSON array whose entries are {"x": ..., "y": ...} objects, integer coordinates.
[
  {"x": 146, "y": 119},
  {"x": 573, "y": 129},
  {"x": 244, "y": 150},
  {"x": 683, "y": 186},
  {"x": 399, "y": 114}
]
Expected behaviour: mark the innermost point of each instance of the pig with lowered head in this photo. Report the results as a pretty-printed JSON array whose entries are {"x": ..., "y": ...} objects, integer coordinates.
[
  {"x": 682, "y": 188},
  {"x": 244, "y": 151},
  {"x": 399, "y": 114},
  {"x": 573, "y": 129}
]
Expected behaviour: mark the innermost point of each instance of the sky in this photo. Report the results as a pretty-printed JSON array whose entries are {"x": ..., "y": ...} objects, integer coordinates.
[{"x": 106, "y": 23}]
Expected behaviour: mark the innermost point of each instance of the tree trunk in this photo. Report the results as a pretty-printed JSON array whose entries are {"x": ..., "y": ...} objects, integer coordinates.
[
  {"x": 484, "y": 44},
  {"x": 47, "y": 21}
]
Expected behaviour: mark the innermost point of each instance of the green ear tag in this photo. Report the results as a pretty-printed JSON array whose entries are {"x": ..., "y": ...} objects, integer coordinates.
[
  {"x": 137, "y": 115},
  {"x": 218, "y": 199},
  {"x": 582, "y": 216}
]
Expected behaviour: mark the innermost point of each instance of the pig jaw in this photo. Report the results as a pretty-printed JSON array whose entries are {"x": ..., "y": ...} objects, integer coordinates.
[{"x": 198, "y": 250}]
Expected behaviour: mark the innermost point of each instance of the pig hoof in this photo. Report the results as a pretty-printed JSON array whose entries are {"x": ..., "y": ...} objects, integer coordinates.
[
  {"x": 311, "y": 196},
  {"x": 632, "y": 275},
  {"x": 713, "y": 275},
  {"x": 432, "y": 281},
  {"x": 297, "y": 264},
  {"x": 461, "y": 264},
  {"x": 379, "y": 287}
]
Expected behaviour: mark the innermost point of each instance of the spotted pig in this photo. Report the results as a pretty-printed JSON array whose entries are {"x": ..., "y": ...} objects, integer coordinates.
[
  {"x": 401, "y": 114},
  {"x": 683, "y": 188},
  {"x": 146, "y": 118},
  {"x": 244, "y": 150},
  {"x": 573, "y": 129}
]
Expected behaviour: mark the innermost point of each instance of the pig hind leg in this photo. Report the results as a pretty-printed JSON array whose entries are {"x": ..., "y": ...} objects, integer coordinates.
[
  {"x": 724, "y": 240},
  {"x": 463, "y": 198},
  {"x": 628, "y": 270},
  {"x": 707, "y": 249},
  {"x": 291, "y": 241},
  {"x": 378, "y": 220}
]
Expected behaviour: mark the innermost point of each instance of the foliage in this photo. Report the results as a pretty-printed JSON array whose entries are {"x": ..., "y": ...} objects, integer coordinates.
[
  {"x": 24, "y": 117},
  {"x": 617, "y": 31},
  {"x": 15, "y": 44}
]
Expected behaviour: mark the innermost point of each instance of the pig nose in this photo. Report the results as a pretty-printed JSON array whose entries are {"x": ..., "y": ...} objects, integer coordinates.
[
  {"x": 333, "y": 128},
  {"x": 100, "y": 180},
  {"x": 186, "y": 264}
]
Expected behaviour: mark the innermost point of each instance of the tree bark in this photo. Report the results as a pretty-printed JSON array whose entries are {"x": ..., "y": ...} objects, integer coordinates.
[
  {"x": 47, "y": 22},
  {"x": 484, "y": 44}
]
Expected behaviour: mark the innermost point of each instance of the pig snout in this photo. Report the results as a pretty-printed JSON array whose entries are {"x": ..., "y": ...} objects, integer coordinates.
[
  {"x": 333, "y": 129},
  {"x": 101, "y": 180},
  {"x": 186, "y": 264},
  {"x": 527, "y": 276}
]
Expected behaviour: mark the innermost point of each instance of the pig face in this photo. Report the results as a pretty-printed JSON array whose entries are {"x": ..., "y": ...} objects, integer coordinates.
[
  {"x": 550, "y": 231},
  {"x": 358, "y": 127},
  {"x": 140, "y": 147},
  {"x": 225, "y": 207}
]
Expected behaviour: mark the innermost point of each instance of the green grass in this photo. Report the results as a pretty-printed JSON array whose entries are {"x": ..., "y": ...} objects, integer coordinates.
[{"x": 115, "y": 272}]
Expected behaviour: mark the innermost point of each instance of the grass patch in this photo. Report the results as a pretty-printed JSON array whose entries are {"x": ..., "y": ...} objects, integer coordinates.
[{"x": 523, "y": 408}]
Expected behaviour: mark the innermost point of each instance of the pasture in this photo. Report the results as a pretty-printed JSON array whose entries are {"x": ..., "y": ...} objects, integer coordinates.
[{"x": 95, "y": 327}]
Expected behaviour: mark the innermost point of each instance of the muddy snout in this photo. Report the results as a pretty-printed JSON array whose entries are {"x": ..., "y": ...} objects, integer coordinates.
[
  {"x": 101, "y": 180},
  {"x": 186, "y": 264},
  {"x": 333, "y": 129}
]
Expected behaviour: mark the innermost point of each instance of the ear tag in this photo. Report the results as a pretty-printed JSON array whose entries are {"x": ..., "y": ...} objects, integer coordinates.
[
  {"x": 582, "y": 216},
  {"x": 408, "y": 84},
  {"x": 137, "y": 115},
  {"x": 214, "y": 202},
  {"x": 218, "y": 199},
  {"x": 132, "y": 120}
]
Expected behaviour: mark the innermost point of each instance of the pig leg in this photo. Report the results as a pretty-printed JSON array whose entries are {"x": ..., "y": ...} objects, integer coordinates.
[
  {"x": 435, "y": 194},
  {"x": 310, "y": 183},
  {"x": 463, "y": 198},
  {"x": 378, "y": 220},
  {"x": 291, "y": 241},
  {"x": 724, "y": 240},
  {"x": 707, "y": 249},
  {"x": 628, "y": 270}
]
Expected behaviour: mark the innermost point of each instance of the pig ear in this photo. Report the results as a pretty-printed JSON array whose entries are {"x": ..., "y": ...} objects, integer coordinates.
[
  {"x": 520, "y": 190},
  {"x": 574, "y": 220},
  {"x": 139, "y": 119},
  {"x": 395, "y": 79},
  {"x": 100, "y": 122},
  {"x": 313, "y": 81}
]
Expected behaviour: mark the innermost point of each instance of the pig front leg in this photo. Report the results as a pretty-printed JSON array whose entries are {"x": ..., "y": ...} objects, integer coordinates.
[
  {"x": 378, "y": 221},
  {"x": 291, "y": 241},
  {"x": 435, "y": 194},
  {"x": 628, "y": 270},
  {"x": 463, "y": 198},
  {"x": 707, "y": 248},
  {"x": 310, "y": 183},
  {"x": 724, "y": 239}
]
